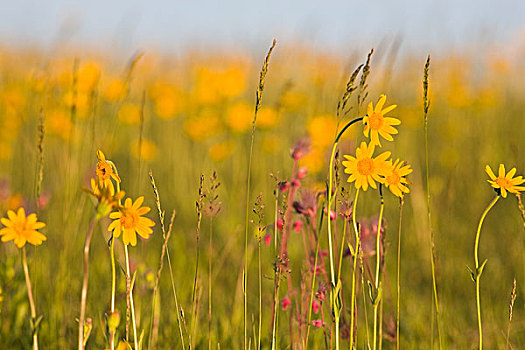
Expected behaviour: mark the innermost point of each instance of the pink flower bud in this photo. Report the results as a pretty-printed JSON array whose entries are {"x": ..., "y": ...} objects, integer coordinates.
[
  {"x": 285, "y": 302},
  {"x": 317, "y": 323},
  {"x": 296, "y": 183},
  {"x": 297, "y": 225},
  {"x": 267, "y": 239},
  {"x": 280, "y": 224},
  {"x": 301, "y": 173},
  {"x": 315, "y": 306}
]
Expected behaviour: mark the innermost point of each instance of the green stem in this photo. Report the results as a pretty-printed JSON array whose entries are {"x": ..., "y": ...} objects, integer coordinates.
[
  {"x": 354, "y": 272},
  {"x": 478, "y": 270},
  {"x": 113, "y": 268},
  {"x": 378, "y": 260},
  {"x": 401, "y": 202},
  {"x": 329, "y": 206},
  {"x": 128, "y": 276},
  {"x": 83, "y": 297},
  {"x": 30, "y": 296},
  {"x": 209, "y": 282}
]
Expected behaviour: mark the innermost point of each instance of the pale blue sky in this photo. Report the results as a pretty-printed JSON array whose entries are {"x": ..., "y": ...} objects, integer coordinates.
[{"x": 170, "y": 24}]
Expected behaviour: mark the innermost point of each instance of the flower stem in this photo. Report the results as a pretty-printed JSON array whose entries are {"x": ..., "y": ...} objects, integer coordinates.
[
  {"x": 128, "y": 276},
  {"x": 479, "y": 269},
  {"x": 401, "y": 202},
  {"x": 354, "y": 272},
  {"x": 113, "y": 288},
  {"x": 113, "y": 269},
  {"x": 329, "y": 206},
  {"x": 378, "y": 260},
  {"x": 83, "y": 296},
  {"x": 30, "y": 296}
]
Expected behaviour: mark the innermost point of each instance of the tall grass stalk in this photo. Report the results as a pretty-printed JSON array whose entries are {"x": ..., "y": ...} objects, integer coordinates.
[
  {"x": 40, "y": 162},
  {"x": 377, "y": 288},
  {"x": 83, "y": 295},
  {"x": 210, "y": 253},
  {"x": 479, "y": 268},
  {"x": 174, "y": 291},
  {"x": 194, "y": 301},
  {"x": 401, "y": 203},
  {"x": 258, "y": 100},
  {"x": 275, "y": 312},
  {"x": 166, "y": 237},
  {"x": 511, "y": 307},
  {"x": 426, "y": 106}
]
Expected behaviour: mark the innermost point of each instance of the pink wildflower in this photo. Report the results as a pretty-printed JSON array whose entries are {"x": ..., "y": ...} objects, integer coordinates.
[
  {"x": 315, "y": 306},
  {"x": 297, "y": 225},
  {"x": 285, "y": 302}
]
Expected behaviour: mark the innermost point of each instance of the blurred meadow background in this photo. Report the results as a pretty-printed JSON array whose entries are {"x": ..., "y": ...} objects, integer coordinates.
[{"x": 171, "y": 89}]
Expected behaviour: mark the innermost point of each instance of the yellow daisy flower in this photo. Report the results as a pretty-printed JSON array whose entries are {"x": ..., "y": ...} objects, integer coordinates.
[
  {"x": 377, "y": 124},
  {"x": 395, "y": 178},
  {"x": 505, "y": 182},
  {"x": 22, "y": 229},
  {"x": 364, "y": 169},
  {"x": 129, "y": 220},
  {"x": 105, "y": 170}
]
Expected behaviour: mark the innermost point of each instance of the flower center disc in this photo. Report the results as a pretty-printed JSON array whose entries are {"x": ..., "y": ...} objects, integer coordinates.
[
  {"x": 365, "y": 166},
  {"x": 503, "y": 182},
  {"x": 103, "y": 170},
  {"x": 393, "y": 179},
  {"x": 375, "y": 121},
  {"x": 129, "y": 220}
]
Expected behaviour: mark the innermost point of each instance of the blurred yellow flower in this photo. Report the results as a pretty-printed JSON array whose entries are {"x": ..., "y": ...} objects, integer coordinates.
[
  {"x": 377, "y": 124},
  {"x": 293, "y": 101},
  {"x": 203, "y": 125},
  {"x": 129, "y": 114},
  {"x": 116, "y": 90},
  {"x": 13, "y": 96},
  {"x": 168, "y": 100},
  {"x": 22, "y": 229},
  {"x": 395, "y": 177},
  {"x": 87, "y": 76},
  {"x": 505, "y": 182},
  {"x": 148, "y": 151},
  {"x": 364, "y": 169},
  {"x": 314, "y": 160},
  {"x": 232, "y": 82},
  {"x": 220, "y": 151},
  {"x": 6, "y": 151},
  {"x": 81, "y": 100},
  {"x": 267, "y": 117},
  {"x": 322, "y": 130},
  {"x": 130, "y": 222},
  {"x": 58, "y": 122},
  {"x": 239, "y": 117}
]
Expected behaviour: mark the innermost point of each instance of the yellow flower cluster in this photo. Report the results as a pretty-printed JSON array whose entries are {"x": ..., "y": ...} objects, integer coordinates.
[
  {"x": 128, "y": 218},
  {"x": 364, "y": 169}
]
